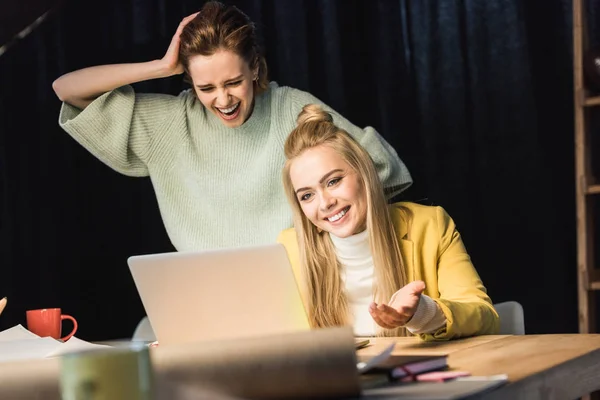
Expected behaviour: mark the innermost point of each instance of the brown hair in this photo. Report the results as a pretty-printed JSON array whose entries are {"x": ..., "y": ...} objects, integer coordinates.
[
  {"x": 219, "y": 27},
  {"x": 322, "y": 286}
]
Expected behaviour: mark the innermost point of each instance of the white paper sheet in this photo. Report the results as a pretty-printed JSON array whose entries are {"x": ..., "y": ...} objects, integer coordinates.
[
  {"x": 25, "y": 349},
  {"x": 17, "y": 343},
  {"x": 363, "y": 367},
  {"x": 73, "y": 345},
  {"x": 17, "y": 332}
]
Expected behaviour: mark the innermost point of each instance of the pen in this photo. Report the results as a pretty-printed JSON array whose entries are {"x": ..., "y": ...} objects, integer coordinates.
[{"x": 3, "y": 302}]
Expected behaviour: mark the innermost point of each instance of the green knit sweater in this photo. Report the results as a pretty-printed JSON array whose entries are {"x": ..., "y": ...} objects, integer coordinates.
[{"x": 216, "y": 186}]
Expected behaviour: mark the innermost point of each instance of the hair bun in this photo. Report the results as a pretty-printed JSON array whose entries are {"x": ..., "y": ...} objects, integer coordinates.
[{"x": 313, "y": 113}]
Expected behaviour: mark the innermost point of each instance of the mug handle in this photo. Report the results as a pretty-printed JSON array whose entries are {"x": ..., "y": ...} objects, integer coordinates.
[{"x": 62, "y": 318}]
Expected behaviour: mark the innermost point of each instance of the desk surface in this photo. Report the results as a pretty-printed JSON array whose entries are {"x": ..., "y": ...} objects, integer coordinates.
[
  {"x": 563, "y": 366},
  {"x": 413, "y": 345}
]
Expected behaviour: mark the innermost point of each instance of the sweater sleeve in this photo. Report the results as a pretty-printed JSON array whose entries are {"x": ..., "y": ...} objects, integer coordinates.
[
  {"x": 392, "y": 171},
  {"x": 428, "y": 317},
  {"x": 120, "y": 128},
  {"x": 463, "y": 298}
]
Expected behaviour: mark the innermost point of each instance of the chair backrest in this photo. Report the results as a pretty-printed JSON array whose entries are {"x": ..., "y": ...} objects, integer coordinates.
[
  {"x": 512, "y": 318},
  {"x": 143, "y": 331}
]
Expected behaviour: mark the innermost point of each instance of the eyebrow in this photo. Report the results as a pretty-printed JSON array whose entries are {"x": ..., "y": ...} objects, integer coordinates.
[
  {"x": 227, "y": 81},
  {"x": 323, "y": 179}
]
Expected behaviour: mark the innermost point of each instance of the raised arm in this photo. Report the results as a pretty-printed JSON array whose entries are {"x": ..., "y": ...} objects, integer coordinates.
[{"x": 79, "y": 88}]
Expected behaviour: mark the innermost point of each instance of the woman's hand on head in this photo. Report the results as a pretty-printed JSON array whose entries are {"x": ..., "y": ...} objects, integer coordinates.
[
  {"x": 170, "y": 60},
  {"x": 401, "y": 307}
]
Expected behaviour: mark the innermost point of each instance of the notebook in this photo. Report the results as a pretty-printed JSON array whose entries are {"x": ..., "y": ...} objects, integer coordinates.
[
  {"x": 398, "y": 366},
  {"x": 219, "y": 294}
]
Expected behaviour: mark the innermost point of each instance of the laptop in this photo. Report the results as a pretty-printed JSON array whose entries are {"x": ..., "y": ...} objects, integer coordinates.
[{"x": 219, "y": 294}]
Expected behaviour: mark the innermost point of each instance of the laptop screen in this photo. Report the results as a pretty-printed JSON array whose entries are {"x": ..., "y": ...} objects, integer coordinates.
[{"x": 219, "y": 294}]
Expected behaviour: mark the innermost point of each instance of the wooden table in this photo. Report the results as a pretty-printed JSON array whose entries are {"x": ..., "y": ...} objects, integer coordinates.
[{"x": 563, "y": 366}]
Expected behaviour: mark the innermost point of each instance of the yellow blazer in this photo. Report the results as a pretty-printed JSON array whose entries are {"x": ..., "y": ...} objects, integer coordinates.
[{"x": 433, "y": 251}]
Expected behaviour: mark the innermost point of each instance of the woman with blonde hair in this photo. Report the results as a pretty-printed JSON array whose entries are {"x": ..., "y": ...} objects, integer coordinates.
[
  {"x": 359, "y": 261},
  {"x": 214, "y": 152}
]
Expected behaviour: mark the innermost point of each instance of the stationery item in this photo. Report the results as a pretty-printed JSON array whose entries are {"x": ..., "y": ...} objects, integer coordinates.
[
  {"x": 401, "y": 366},
  {"x": 113, "y": 373},
  {"x": 364, "y": 365},
  {"x": 18, "y": 343},
  {"x": 440, "y": 376},
  {"x": 219, "y": 294},
  {"x": 27, "y": 349},
  {"x": 3, "y": 302},
  {"x": 17, "y": 332},
  {"x": 48, "y": 322}
]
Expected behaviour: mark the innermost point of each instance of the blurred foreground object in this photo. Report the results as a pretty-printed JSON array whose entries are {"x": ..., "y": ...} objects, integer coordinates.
[{"x": 108, "y": 374}]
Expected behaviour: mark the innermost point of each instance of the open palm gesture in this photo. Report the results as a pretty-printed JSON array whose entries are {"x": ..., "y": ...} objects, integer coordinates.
[{"x": 401, "y": 307}]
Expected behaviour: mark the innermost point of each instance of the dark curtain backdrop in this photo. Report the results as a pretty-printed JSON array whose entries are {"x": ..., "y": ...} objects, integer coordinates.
[{"x": 476, "y": 97}]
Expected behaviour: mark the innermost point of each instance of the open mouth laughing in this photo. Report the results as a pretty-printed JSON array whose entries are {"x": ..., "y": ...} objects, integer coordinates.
[{"x": 229, "y": 113}]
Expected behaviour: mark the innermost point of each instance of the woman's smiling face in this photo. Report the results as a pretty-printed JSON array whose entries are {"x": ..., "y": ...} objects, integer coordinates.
[{"x": 329, "y": 191}]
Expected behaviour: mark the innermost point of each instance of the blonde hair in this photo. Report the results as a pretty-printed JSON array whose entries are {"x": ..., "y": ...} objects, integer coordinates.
[
  {"x": 220, "y": 27},
  {"x": 322, "y": 284}
]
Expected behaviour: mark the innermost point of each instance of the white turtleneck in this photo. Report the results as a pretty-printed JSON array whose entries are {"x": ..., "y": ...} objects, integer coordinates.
[{"x": 358, "y": 275}]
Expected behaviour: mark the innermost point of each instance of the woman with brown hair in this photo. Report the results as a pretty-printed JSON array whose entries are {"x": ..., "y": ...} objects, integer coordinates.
[
  {"x": 359, "y": 261},
  {"x": 214, "y": 152}
]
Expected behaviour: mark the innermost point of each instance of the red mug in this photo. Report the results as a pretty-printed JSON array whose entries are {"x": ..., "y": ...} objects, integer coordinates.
[{"x": 48, "y": 322}]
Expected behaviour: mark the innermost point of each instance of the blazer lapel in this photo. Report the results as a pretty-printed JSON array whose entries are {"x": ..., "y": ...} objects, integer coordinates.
[
  {"x": 406, "y": 250},
  {"x": 406, "y": 245}
]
